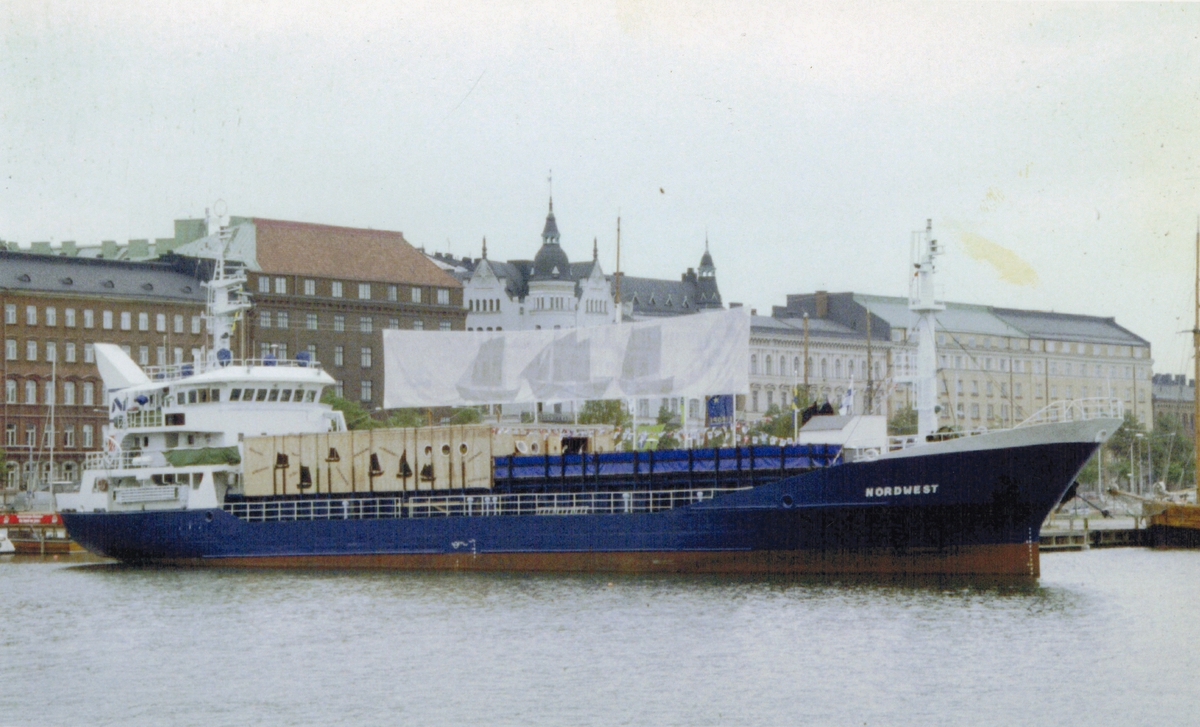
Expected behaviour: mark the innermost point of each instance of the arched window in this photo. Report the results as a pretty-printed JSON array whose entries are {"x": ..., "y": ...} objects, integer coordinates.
[
  {"x": 824, "y": 369},
  {"x": 837, "y": 369},
  {"x": 767, "y": 366},
  {"x": 796, "y": 366},
  {"x": 754, "y": 368}
]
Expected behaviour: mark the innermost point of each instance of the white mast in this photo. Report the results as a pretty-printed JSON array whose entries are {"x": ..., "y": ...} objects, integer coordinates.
[
  {"x": 922, "y": 300},
  {"x": 226, "y": 298}
]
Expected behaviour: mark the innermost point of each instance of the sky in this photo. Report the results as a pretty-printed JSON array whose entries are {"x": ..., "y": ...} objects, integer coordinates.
[{"x": 1056, "y": 148}]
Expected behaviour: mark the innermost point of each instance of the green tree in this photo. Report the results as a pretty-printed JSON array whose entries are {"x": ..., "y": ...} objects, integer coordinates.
[
  {"x": 466, "y": 415},
  {"x": 903, "y": 422},
  {"x": 664, "y": 414},
  {"x": 606, "y": 411},
  {"x": 408, "y": 418},
  {"x": 776, "y": 423},
  {"x": 356, "y": 416}
]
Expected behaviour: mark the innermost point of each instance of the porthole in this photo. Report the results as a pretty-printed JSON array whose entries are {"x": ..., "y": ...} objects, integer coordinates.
[
  {"x": 462, "y": 448},
  {"x": 534, "y": 448},
  {"x": 522, "y": 447},
  {"x": 446, "y": 450},
  {"x": 208, "y": 517},
  {"x": 428, "y": 450},
  {"x": 787, "y": 501}
]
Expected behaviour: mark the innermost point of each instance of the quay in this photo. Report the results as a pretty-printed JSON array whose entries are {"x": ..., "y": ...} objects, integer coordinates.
[{"x": 1083, "y": 533}]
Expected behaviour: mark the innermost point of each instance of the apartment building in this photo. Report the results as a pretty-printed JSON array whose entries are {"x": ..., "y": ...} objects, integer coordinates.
[{"x": 55, "y": 310}]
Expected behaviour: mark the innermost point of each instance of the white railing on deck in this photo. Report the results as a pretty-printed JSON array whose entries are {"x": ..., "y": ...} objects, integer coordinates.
[
  {"x": 123, "y": 460},
  {"x": 1076, "y": 410},
  {"x": 1056, "y": 412},
  {"x": 561, "y": 503},
  {"x": 175, "y": 372}
]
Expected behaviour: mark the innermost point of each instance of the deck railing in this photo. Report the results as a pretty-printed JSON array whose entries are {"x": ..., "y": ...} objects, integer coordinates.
[
  {"x": 174, "y": 372},
  {"x": 1056, "y": 412},
  {"x": 386, "y": 508}
]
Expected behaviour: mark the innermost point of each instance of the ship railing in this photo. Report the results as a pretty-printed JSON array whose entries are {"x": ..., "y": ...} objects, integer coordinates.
[
  {"x": 560, "y": 503},
  {"x": 137, "y": 419},
  {"x": 123, "y": 460},
  {"x": 1056, "y": 412},
  {"x": 175, "y": 372},
  {"x": 1076, "y": 410}
]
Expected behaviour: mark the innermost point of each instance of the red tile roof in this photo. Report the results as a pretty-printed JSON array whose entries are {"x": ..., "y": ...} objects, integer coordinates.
[{"x": 301, "y": 248}]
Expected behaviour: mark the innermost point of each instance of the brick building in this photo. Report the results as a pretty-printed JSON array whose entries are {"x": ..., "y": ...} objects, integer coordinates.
[
  {"x": 55, "y": 309},
  {"x": 331, "y": 291},
  {"x": 1174, "y": 398}
]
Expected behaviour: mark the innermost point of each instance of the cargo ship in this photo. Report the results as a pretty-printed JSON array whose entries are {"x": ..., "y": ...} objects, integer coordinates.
[{"x": 228, "y": 462}]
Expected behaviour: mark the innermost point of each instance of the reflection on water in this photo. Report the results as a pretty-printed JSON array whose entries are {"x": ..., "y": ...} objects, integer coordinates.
[{"x": 100, "y": 643}]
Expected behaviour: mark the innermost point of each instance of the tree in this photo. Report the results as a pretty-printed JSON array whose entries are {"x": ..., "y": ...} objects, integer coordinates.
[
  {"x": 777, "y": 423},
  {"x": 606, "y": 411},
  {"x": 664, "y": 414},
  {"x": 466, "y": 415},
  {"x": 356, "y": 416},
  {"x": 903, "y": 422}
]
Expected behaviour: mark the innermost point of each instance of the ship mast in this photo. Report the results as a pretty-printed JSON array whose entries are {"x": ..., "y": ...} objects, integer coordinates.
[
  {"x": 226, "y": 296},
  {"x": 922, "y": 300}
]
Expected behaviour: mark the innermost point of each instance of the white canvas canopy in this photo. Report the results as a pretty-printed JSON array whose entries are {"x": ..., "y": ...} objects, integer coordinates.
[{"x": 695, "y": 355}]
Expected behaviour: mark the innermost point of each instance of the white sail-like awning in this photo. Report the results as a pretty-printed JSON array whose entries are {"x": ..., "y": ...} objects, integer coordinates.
[
  {"x": 694, "y": 356},
  {"x": 117, "y": 369}
]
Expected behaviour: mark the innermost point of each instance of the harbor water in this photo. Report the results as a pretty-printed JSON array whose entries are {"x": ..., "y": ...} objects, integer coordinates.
[{"x": 1104, "y": 637}]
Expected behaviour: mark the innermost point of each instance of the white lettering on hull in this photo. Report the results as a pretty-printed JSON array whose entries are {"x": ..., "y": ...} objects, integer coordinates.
[{"x": 901, "y": 491}]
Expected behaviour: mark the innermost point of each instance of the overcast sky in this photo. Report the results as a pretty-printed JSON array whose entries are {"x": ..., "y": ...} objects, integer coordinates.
[{"x": 1055, "y": 147}]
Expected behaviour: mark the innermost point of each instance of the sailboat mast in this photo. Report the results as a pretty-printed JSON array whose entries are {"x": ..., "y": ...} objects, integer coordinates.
[{"x": 1196, "y": 371}]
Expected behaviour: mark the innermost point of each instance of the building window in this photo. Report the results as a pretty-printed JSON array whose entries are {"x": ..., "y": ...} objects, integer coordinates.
[
  {"x": 310, "y": 321},
  {"x": 31, "y": 350},
  {"x": 264, "y": 319},
  {"x": 160, "y": 356},
  {"x": 10, "y": 314},
  {"x": 143, "y": 355},
  {"x": 365, "y": 390},
  {"x": 754, "y": 400},
  {"x": 30, "y": 391},
  {"x": 160, "y": 322},
  {"x": 69, "y": 437},
  {"x": 10, "y": 435},
  {"x": 281, "y": 350},
  {"x": 310, "y": 287},
  {"x": 364, "y": 291},
  {"x": 89, "y": 318},
  {"x": 10, "y": 349},
  {"x": 393, "y": 323},
  {"x": 106, "y": 320},
  {"x": 767, "y": 369},
  {"x": 958, "y": 409},
  {"x": 444, "y": 326},
  {"x": 31, "y": 437},
  {"x": 143, "y": 321},
  {"x": 86, "y": 431},
  {"x": 177, "y": 355},
  {"x": 281, "y": 286},
  {"x": 281, "y": 319},
  {"x": 126, "y": 321},
  {"x": 31, "y": 315},
  {"x": 89, "y": 393},
  {"x": 339, "y": 323},
  {"x": 335, "y": 289},
  {"x": 974, "y": 411},
  {"x": 416, "y": 295},
  {"x": 178, "y": 323},
  {"x": 393, "y": 293},
  {"x": 366, "y": 324},
  {"x": 51, "y": 351},
  {"x": 52, "y": 316},
  {"x": 443, "y": 296},
  {"x": 68, "y": 393},
  {"x": 420, "y": 325},
  {"x": 312, "y": 351},
  {"x": 196, "y": 325},
  {"x": 366, "y": 357},
  {"x": 339, "y": 358},
  {"x": 10, "y": 391},
  {"x": 339, "y": 389},
  {"x": 264, "y": 284},
  {"x": 89, "y": 353},
  {"x": 754, "y": 368}
]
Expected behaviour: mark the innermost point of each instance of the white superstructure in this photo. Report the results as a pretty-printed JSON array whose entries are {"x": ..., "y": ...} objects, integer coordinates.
[{"x": 174, "y": 437}]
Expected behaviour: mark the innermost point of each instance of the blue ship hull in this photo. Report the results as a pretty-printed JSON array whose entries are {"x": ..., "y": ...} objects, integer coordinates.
[{"x": 963, "y": 512}]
